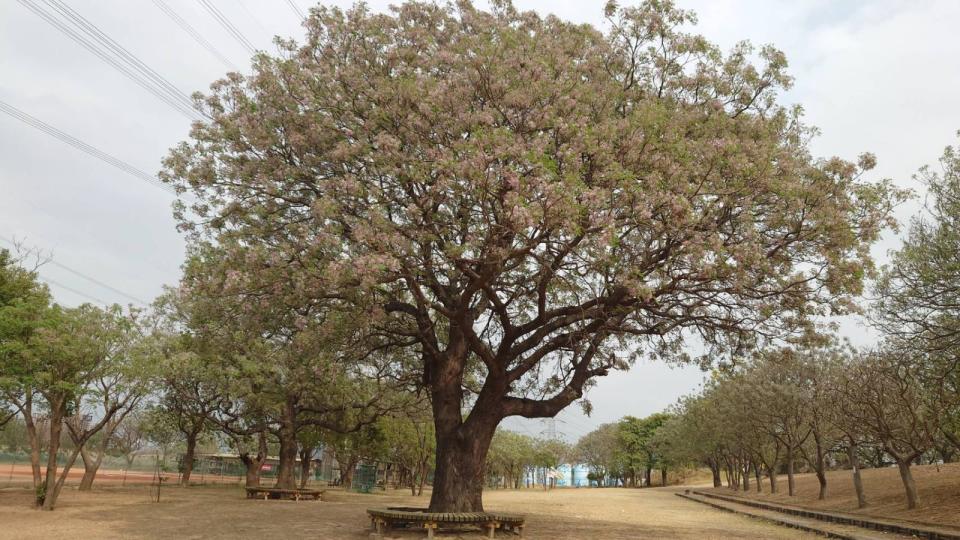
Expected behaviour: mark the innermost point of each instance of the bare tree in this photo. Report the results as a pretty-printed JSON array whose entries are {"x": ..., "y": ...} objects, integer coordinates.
[{"x": 129, "y": 437}]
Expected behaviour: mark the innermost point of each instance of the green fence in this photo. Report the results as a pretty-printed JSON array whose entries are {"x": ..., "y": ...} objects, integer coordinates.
[{"x": 364, "y": 478}]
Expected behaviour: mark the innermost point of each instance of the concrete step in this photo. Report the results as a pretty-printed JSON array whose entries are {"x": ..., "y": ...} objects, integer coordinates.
[
  {"x": 830, "y": 530},
  {"x": 910, "y": 529}
]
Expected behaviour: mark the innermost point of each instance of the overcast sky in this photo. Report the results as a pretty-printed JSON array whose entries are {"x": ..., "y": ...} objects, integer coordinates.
[{"x": 879, "y": 76}]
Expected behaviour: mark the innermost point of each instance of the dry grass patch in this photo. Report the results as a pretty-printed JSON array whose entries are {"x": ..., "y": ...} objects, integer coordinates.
[{"x": 223, "y": 512}]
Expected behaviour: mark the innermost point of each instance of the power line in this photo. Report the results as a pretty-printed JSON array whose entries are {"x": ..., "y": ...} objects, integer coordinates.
[
  {"x": 255, "y": 20},
  {"x": 122, "y": 52},
  {"x": 74, "y": 291},
  {"x": 84, "y": 147},
  {"x": 83, "y": 276},
  {"x": 579, "y": 426},
  {"x": 100, "y": 283},
  {"x": 92, "y": 39},
  {"x": 192, "y": 32},
  {"x": 228, "y": 26},
  {"x": 296, "y": 9},
  {"x": 551, "y": 430}
]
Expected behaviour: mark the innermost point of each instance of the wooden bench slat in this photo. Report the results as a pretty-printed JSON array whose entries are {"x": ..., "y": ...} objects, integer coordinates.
[{"x": 417, "y": 516}]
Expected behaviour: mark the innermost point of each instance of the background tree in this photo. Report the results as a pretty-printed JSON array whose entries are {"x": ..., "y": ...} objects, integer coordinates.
[
  {"x": 794, "y": 387},
  {"x": 161, "y": 431},
  {"x": 190, "y": 393},
  {"x": 695, "y": 433},
  {"x": 599, "y": 450},
  {"x": 13, "y": 436},
  {"x": 511, "y": 455},
  {"x": 116, "y": 390},
  {"x": 549, "y": 454},
  {"x": 310, "y": 440},
  {"x": 885, "y": 396},
  {"x": 72, "y": 360},
  {"x": 353, "y": 447},
  {"x": 782, "y": 401},
  {"x": 130, "y": 437},
  {"x": 853, "y": 436},
  {"x": 295, "y": 368},
  {"x": 412, "y": 445},
  {"x": 24, "y": 307},
  {"x": 918, "y": 295},
  {"x": 241, "y": 419},
  {"x": 519, "y": 199},
  {"x": 637, "y": 443}
]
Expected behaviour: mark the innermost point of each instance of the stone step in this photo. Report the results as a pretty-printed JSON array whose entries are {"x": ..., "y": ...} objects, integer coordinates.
[
  {"x": 830, "y": 530},
  {"x": 907, "y": 528}
]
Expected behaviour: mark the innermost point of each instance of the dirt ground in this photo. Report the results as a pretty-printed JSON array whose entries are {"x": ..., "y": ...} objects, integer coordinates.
[
  {"x": 223, "y": 512},
  {"x": 938, "y": 489}
]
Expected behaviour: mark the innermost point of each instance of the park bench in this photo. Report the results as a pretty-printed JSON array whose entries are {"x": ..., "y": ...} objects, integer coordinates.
[
  {"x": 277, "y": 493},
  {"x": 384, "y": 519}
]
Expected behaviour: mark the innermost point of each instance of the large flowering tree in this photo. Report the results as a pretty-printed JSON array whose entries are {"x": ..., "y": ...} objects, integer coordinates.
[{"x": 524, "y": 202}]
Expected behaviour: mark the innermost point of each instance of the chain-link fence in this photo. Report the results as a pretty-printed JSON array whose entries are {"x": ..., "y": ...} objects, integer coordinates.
[{"x": 15, "y": 469}]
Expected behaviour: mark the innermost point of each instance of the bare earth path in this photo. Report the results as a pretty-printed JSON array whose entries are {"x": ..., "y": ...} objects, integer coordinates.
[{"x": 221, "y": 512}]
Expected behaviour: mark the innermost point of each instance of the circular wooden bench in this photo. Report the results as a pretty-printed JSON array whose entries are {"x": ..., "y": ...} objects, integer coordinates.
[{"x": 383, "y": 519}]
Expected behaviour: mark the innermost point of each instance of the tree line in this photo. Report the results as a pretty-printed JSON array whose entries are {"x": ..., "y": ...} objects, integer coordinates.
[
  {"x": 623, "y": 453},
  {"x": 821, "y": 404},
  {"x": 77, "y": 384},
  {"x": 70, "y": 374},
  {"x": 627, "y": 452}
]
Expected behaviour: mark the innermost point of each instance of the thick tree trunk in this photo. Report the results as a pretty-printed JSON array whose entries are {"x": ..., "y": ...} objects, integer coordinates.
[
  {"x": 54, "y": 482},
  {"x": 458, "y": 479},
  {"x": 909, "y": 486},
  {"x": 772, "y": 473},
  {"x": 746, "y": 477},
  {"x": 663, "y": 476},
  {"x": 254, "y": 464},
  {"x": 857, "y": 480},
  {"x": 90, "y": 467},
  {"x": 462, "y": 445},
  {"x": 288, "y": 459},
  {"x": 759, "y": 477},
  {"x": 252, "y": 470},
  {"x": 187, "y": 464}
]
